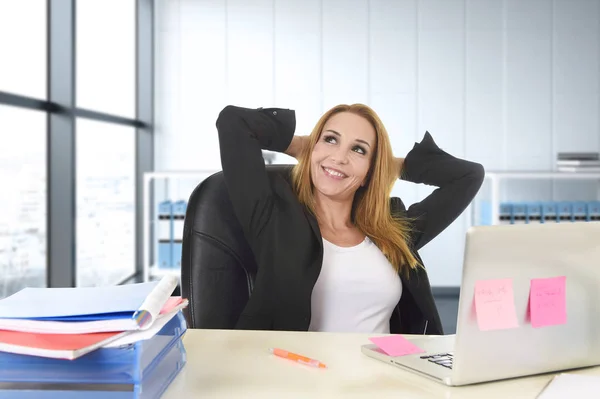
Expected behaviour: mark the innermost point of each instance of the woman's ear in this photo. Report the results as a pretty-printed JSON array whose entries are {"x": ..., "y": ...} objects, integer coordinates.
[
  {"x": 366, "y": 180},
  {"x": 368, "y": 177}
]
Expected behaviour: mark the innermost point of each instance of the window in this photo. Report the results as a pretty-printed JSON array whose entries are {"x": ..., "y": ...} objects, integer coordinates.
[
  {"x": 76, "y": 139},
  {"x": 23, "y": 47},
  {"x": 23, "y": 199},
  {"x": 105, "y": 56},
  {"x": 105, "y": 166}
]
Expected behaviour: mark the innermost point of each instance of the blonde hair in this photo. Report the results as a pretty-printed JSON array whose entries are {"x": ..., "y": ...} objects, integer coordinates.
[{"x": 371, "y": 206}]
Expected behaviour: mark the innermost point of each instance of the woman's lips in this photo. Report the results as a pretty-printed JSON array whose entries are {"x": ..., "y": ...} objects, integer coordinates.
[{"x": 334, "y": 173}]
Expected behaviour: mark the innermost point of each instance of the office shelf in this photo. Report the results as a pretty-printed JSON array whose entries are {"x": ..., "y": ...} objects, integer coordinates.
[
  {"x": 496, "y": 178},
  {"x": 150, "y": 247}
]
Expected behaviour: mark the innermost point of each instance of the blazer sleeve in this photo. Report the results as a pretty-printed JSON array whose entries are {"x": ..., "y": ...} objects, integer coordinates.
[
  {"x": 243, "y": 133},
  {"x": 458, "y": 182}
]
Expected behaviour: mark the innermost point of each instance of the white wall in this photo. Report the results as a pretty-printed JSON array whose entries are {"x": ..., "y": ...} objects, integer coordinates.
[{"x": 505, "y": 83}]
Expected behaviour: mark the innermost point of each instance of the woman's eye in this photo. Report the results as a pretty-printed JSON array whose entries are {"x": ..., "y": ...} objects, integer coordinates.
[
  {"x": 360, "y": 150},
  {"x": 333, "y": 140}
]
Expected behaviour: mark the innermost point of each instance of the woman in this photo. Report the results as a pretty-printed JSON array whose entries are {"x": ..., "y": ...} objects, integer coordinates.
[{"x": 334, "y": 252}]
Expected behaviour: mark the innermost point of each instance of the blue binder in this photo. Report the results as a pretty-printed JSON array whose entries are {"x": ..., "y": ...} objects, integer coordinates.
[
  {"x": 565, "y": 211},
  {"x": 549, "y": 212},
  {"x": 506, "y": 213},
  {"x": 534, "y": 212},
  {"x": 594, "y": 211},
  {"x": 519, "y": 213},
  {"x": 485, "y": 213},
  {"x": 179, "y": 209},
  {"x": 165, "y": 234},
  {"x": 580, "y": 212}
]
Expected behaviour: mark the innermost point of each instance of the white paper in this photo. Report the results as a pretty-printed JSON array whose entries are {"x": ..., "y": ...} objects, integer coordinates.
[
  {"x": 141, "y": 335},
  {"x": 572, "y": 386},
  {"x": 60, "y": 302},
  {"x": 157, "y": 298},
  {"x": 73, "y": 301},
  {"x": 68, "y": 327}
]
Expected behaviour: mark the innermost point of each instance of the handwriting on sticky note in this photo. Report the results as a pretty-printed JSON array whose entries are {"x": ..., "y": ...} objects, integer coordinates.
[
  {"x": 547, "y": 301},
  {"x": 495, "y": 304},
  {"x": 396, "y": 345}
]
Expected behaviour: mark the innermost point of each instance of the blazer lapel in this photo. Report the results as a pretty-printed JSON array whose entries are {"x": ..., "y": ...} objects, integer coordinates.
[
  {"x": 417, "y": 281},
  {"x": 314, "y": 225},
  {"x": 418, "y": 284}
]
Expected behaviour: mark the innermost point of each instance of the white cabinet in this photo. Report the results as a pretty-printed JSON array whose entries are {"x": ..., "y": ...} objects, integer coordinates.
[
  {"x": 158, "y": 188},
  {"x": 493, "y": 182}
]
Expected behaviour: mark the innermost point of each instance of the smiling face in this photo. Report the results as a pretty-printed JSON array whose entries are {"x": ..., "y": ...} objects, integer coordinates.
[{"x": 341, "y": 158}]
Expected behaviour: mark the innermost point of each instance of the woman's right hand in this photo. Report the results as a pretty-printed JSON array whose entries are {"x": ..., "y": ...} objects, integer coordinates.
[{"x": 297, "y": 146}]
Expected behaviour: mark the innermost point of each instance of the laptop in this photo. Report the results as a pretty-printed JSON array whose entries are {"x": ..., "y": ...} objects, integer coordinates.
[{"x": 520, "y": 253}]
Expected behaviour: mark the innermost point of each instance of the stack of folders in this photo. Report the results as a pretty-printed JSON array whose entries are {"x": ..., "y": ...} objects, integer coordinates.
[
  {"x": 542, "y": 212},
  {"x": 98, "y": 342},
  {"x": 578, "y": 162}
]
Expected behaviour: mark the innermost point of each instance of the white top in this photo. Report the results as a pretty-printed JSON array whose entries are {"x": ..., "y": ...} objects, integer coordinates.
[{"x": 357, "y": 290}]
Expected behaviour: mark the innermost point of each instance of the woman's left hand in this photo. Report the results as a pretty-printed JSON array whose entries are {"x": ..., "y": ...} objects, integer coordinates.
[
  {"x": 297, "y": 146},
  {"x": 399, "y": 162}
]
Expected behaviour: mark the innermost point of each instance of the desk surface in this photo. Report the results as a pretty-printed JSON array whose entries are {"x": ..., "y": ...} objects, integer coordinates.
[{"x": 232, "y": 364}]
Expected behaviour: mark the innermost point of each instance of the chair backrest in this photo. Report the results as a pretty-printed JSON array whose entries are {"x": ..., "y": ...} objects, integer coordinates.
[{"x": 217, "y": 265}]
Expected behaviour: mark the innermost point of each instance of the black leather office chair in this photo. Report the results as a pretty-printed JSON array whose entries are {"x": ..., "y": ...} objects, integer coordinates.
[{"x": 217, "y": 265}]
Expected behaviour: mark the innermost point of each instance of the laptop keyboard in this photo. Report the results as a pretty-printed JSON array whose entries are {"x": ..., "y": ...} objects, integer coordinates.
[{"x": 442, "y": 359}]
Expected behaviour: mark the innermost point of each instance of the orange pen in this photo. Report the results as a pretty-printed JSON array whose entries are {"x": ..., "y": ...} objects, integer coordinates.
[{"x": 297, "y": 358}]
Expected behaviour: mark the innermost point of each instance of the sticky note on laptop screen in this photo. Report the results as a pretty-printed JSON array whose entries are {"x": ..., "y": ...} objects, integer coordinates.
[
  {"x": 495, "y": 305},
  {"x": 396, "y": 345},
  {"x": 548, "y": 302}
]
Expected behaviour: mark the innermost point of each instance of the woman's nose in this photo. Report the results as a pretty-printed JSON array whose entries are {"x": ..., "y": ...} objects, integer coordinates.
[{"x": 340, "y": 156}]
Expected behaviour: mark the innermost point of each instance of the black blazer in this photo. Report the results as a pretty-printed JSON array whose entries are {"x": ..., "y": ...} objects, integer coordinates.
[{"x": 285, "y": 237}]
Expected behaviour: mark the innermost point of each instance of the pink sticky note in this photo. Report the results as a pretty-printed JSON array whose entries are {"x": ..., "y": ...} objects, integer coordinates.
[
  {"x": 396, "y": 345},
  {"x": 547, "y": 301},
  {"x": 495, "y": 305}
]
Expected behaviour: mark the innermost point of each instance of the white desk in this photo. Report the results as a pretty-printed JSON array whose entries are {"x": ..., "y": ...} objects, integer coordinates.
[{"x": 236, "y": 364}]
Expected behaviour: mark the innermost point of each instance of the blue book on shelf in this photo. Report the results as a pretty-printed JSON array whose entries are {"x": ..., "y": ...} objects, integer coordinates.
[
  {"x": 580, "y": 211},
  {"x": 565, "y": 211},
  {"x": 165, "y": 234},
  {"x": 549, "y": 212},
  {"x": 179, "y": 209},
  {"x": 519, "y": 213},
  {"x": 485, "y": 213},
  {"x": 506, "y": 213},
  {"x": 534, "y": 212},
  {"x": 594, "y": 211}
]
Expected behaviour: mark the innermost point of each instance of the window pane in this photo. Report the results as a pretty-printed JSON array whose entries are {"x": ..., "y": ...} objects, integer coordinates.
[
  {"x": 106, "y": 56},
  {"x": 23, "y": 47},
  {"x": 23, "y": 199},
  {"x": 105, "y": 168}
]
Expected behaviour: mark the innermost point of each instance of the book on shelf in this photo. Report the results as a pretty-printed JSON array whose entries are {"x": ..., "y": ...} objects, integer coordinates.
[
  {"x": 578, "y": 156},
  {"x": 571, "y": 163},
  {"x": 578, "y": 162},
  {"x": 579, "y": 169}
]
